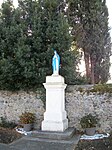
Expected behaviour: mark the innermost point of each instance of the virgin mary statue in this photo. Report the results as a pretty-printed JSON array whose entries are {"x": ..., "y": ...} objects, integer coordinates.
[{"x": 56, "y": 63}]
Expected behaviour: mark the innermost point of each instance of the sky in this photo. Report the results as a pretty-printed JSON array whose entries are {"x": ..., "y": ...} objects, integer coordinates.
[{"x": 109, "y": 5}]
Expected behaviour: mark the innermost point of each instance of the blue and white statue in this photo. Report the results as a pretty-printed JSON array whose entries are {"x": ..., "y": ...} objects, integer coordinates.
[{"x": 56, "y": 63}]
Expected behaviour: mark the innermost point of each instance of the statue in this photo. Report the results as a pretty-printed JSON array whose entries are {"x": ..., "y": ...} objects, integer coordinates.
[{"x": 56, "y": 63}]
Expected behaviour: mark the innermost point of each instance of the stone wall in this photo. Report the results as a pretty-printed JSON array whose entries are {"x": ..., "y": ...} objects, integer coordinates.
[
  {"x": 81, "y": 103},
  {"x": 12, "y": 104}
]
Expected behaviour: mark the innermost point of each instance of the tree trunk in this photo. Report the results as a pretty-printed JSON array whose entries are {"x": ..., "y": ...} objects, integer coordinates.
[
  {"x": 87, "y": 64},
  {"x": 96, "y": 74},
  {"x": 92, "y": 70}
]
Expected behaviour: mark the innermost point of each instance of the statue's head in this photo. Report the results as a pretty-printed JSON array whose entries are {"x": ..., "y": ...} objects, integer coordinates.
[{"x": 55, "y": 52}]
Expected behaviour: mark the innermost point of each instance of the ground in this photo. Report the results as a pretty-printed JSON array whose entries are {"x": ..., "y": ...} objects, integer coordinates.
[
  {"x": 102, "y": 144},
  {"x": 9, "y": 135}
]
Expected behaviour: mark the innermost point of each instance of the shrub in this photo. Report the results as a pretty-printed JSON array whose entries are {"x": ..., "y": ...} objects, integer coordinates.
[
  {"x": 7, "y": 124},
  {"x": 102, "y": 88},
  {"x": 27, "y": 118},
  {"x": 88, "y": 121}
]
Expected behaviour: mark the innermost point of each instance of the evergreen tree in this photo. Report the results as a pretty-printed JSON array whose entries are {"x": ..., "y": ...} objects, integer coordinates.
[
  {"x": 9, "y": 33},
  {"x": 57, "y": 36},
  {"x": 89, "y": 20},
  {"x": 102, "y": 65},
  {"x": 28, "y": 34}
]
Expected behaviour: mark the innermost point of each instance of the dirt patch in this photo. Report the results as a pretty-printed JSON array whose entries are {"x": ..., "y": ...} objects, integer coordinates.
[
  {"x": 102, "y": 144},
  {"x": 8, "y": 135}
]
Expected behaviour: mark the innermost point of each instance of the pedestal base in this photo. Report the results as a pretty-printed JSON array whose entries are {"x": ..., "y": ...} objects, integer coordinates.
[
  {"x": 55, "y": 126},
  {"x": 66, "y": 135}
]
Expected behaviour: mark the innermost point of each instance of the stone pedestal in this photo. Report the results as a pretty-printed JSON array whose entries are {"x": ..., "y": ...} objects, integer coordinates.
[{"x": 55, "y": 115}]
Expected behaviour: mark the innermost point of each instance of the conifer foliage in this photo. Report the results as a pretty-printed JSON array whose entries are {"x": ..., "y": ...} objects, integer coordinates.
[
  {"x": 27, "y": 35},
  {"x": 89, "y": 21}
]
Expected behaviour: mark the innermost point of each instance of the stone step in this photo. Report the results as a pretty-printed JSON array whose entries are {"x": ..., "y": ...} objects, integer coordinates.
[
  {"x": 31, "y": 143},
  {"x": 3, "y": 146},
  {"x": 67, "y": 134}
]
